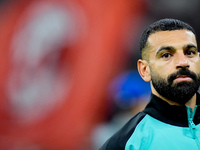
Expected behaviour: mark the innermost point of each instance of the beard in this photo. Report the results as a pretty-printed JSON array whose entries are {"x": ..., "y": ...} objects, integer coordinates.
[{"x": 180, "y": 92}]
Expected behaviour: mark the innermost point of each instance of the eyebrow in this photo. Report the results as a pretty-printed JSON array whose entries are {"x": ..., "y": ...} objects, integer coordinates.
[
  {"x": 169, "y": 48},
  {"x": 189, "y": 46},
  {"x": 165, "y": 48}
]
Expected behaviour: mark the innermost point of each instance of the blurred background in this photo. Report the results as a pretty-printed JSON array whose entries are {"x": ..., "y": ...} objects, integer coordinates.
[{"x": 68, "y": 74}]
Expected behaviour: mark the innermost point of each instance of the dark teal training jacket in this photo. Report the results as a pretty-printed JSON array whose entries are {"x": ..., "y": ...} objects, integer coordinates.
[{"x": 159, "y": 126}]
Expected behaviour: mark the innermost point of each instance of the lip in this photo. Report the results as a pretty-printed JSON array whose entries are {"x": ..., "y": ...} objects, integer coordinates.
[{"x": 183, "y": 78}]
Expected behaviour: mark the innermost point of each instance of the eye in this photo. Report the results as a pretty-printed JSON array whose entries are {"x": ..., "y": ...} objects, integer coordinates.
[
  {"x": 166, "y": 55},
  {"x": 190, "y": 52}
]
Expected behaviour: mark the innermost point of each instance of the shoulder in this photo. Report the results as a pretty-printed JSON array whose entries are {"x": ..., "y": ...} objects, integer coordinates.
[{"x": 119, "y": 139}]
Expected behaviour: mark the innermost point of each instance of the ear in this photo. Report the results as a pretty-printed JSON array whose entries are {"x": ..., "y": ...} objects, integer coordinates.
[{"x": 144, "y": 70}]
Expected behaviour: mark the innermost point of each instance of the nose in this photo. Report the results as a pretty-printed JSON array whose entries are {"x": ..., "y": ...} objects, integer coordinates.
[{"x": 182, "y": 61}]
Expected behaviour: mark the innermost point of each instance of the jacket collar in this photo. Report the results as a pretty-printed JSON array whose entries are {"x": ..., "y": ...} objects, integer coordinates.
[{"x": 171, "y": 114}]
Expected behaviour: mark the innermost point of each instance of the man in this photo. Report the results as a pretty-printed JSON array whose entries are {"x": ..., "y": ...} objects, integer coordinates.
[{"x": 171, "y": 120}]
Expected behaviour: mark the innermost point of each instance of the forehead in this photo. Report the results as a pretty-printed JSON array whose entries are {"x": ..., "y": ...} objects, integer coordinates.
[{"x": 174, "y": 38}]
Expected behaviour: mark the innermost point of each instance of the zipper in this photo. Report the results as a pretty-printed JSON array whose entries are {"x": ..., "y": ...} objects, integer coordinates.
[{"x": 191, "y": 124}]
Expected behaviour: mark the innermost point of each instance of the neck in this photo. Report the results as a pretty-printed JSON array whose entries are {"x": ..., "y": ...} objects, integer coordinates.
[{"x": 191, "y": 103}]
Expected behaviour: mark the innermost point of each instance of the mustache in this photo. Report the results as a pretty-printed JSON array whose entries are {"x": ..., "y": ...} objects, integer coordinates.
[{"x": 182, "y": 71}]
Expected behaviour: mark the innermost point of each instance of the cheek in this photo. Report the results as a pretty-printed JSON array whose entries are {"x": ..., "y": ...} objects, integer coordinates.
[
  {"x": 198, "y": 68},
  {"x": 160, "y": 69},
  {"x": 195, "y": 65},
  {"x": 155, "y": 72},
  {"x": 161, "y": 72},
  {"x": 195, "y": 61}
]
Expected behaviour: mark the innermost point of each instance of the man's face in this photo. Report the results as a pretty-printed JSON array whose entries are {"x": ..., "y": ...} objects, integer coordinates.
[{"x": 174, "y": 64}]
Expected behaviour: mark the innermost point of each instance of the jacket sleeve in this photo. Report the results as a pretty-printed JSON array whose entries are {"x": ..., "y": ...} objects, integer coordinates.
[{"x": 118, "y": 140}]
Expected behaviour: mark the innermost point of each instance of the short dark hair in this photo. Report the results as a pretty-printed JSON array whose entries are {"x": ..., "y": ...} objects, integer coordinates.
[{"x": 166, "y": 24}]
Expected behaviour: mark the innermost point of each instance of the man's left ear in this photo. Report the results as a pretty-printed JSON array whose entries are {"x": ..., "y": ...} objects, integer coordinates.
[{"x": 144, "y": 70}]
